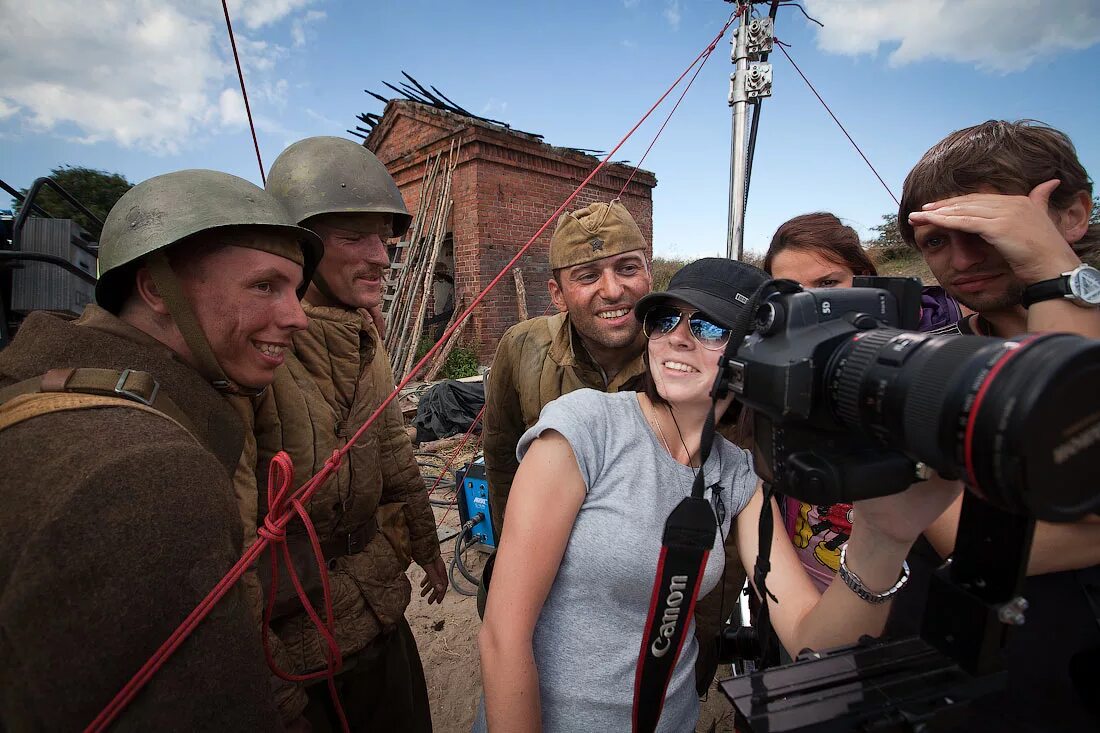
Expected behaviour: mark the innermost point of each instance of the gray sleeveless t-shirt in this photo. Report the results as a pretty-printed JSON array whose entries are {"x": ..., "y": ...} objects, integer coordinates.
[{"x": 588, "y": 635}]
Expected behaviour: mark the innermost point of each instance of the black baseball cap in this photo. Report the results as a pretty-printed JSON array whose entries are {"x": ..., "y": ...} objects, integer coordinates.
[{"x": 718, "y": 287}]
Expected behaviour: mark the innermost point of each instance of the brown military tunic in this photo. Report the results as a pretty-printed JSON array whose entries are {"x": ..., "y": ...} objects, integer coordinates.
[
  {"x": 115, "y": 524},
  {"x": 536, "y": 362}
]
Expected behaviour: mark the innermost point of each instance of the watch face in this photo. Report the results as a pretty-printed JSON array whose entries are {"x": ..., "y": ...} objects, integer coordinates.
[{"x": 1085, "y": 284}]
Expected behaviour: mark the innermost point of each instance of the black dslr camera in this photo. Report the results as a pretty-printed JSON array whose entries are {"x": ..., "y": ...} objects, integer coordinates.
[{"x": 850, "y": 403}]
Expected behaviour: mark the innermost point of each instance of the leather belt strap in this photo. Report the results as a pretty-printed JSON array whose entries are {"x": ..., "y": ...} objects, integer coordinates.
[
  {"x": 129, "y": 384},
  {"x": 349, "y": 543}
]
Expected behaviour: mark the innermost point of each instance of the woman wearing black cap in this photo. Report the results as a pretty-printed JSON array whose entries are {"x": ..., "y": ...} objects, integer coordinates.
[{"x": 599, "y": 474}]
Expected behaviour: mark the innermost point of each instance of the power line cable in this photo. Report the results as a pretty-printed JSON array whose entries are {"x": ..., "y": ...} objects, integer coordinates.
[
  {"x": 837, "y": 121},
  {"x": 244, "y": 92}
]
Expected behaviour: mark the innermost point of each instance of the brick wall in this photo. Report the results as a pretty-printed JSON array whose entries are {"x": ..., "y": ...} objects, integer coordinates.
[{"x": 505, "y": 187}]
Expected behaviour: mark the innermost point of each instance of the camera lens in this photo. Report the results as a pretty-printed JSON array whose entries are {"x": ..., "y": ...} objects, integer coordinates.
[{"x": 1018, "y": 420}]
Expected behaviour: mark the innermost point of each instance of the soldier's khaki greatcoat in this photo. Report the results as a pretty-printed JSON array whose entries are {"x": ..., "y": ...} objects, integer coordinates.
[{"x": 335, "y": 376}]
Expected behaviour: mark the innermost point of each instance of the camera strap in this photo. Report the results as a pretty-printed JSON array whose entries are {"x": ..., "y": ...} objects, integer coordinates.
[
  {"x": 760, "y": 578},
  {"x": 685, "y": 546}
]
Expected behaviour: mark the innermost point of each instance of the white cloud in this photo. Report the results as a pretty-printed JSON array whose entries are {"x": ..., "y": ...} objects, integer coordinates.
[
  {"x": 629, "y": 3},
  {"x": 672, "y": 13},
  {"x": 298, "y": 28},
  {"x": 231, "y": 109},
  {"x": 995, "y": 35},
  {"x": 260, "y": 13},
  {"x": 150, "y": 74}
]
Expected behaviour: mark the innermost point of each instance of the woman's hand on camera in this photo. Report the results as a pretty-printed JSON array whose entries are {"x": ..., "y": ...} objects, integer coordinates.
[{"x": 902, "y": 517}]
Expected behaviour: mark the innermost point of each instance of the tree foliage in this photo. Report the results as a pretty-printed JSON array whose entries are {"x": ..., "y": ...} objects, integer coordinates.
[
  {"x": 1094, "y": 218},
  {"x": 97, "y": 190},
  {"x": 662, "y": 269},
  {"x": 887, "y": 232}
]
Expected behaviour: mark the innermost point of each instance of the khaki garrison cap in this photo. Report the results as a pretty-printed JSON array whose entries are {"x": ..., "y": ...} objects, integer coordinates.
[{"x": 592, "y": 233}]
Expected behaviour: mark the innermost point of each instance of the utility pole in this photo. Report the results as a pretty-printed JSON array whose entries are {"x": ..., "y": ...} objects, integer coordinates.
[{"x": 748, "y": 85}]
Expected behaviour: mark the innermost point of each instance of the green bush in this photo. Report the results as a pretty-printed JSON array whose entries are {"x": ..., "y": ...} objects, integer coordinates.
[
  {"x": 461, "y": 362},
  {"x": 663, "y": 268}
]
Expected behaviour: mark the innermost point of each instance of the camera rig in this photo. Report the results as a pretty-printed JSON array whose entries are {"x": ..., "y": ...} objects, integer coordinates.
[{"x": 848, "y": 404}]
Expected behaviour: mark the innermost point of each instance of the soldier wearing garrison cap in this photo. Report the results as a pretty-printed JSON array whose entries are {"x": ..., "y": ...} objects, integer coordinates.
[
  {"x": 599, "y": 259},
  {"x": 118, "y": 449}
]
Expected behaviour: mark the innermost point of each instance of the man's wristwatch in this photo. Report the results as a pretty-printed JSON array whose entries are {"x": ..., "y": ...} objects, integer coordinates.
[{"x": 1081, "y": 286}]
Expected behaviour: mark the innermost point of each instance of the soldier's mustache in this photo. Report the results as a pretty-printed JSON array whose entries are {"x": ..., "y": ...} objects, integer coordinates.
[{"x": 372, "y": 271}]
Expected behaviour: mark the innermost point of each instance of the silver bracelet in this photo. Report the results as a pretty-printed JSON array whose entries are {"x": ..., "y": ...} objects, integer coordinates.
[{"x": 854, "y": 582}]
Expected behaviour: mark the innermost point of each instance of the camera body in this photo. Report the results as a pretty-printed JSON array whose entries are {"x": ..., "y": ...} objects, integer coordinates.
[
  {"x": 782, "y": 372},
  {"x": 850, "y": 404}
]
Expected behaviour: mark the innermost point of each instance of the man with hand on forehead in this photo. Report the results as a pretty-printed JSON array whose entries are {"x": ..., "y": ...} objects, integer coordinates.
[{"x": 1000, "y": 212}]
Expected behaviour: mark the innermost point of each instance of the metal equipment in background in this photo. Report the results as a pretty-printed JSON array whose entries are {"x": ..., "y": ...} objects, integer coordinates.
[
  {"x": 473, "y": 500},
  {"x": 46, "y": 263},
  {"x": 472, "y": 497}
]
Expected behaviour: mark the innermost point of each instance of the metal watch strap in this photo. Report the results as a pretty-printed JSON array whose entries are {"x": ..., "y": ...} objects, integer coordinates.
[{"x": 854, "y": 582}]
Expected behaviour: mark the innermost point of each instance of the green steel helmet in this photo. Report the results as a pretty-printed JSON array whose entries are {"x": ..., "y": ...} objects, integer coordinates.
[
  {"x": 331, "y": 175},
  {"x": 167, "y": 209}
]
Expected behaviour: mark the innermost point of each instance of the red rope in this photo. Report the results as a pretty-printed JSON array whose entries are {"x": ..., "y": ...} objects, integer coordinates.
[
  {"x": 676, "y": 106},
  {"x": 274, "y": 529},
  {"x": 451, "y": 460},
  {"x": 276, "y": 526},
  {"x": 244, "y": 92},
  {"x": 280, "y": 473},
  {"x": 454, "y": 456},
  {"x": 842, "y": 129}
]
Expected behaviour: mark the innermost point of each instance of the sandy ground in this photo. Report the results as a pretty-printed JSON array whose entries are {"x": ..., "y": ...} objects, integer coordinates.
[{"x": 447, "y": 638}]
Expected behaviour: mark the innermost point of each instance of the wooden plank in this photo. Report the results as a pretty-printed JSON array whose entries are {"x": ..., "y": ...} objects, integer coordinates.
[{"x": 521, "y": 293}]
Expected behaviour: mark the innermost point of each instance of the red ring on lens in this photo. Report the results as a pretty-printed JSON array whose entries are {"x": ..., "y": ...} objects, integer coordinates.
[{"x": 968, "y": 441}]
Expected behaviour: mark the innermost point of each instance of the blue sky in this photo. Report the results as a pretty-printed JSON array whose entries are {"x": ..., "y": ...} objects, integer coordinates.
[{"x": 143, "y": 87}]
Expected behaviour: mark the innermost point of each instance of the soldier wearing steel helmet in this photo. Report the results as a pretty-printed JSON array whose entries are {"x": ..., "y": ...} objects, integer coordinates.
[
  {"x": 118, "y": 449},
  {"x": 373, "y": 516}
]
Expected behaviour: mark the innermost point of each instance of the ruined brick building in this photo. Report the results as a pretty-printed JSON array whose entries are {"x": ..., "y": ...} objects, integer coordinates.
[{"x": 506, "y": 184}]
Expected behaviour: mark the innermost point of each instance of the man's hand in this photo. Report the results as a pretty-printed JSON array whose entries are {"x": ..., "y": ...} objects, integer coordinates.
[
  {"x": 435, "y": 581},
  {"x": 1018, "y": 227}
]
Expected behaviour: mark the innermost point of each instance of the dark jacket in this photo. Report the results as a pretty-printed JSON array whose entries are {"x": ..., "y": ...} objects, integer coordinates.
[{"x": 116, "y": 523}]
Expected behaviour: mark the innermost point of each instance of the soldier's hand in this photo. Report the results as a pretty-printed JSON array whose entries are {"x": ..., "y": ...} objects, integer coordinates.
[{"x": 434, "y": 584}]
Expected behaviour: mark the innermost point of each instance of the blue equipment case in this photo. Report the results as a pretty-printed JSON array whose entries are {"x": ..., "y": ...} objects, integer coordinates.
[{"x": 473, "y": 498}]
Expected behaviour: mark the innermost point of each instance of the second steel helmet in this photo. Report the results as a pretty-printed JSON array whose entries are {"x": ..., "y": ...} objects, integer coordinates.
[{"x": 332, "y": 175}]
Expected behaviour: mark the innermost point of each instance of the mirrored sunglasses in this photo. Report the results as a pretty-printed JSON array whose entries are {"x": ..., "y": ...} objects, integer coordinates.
[{"x": 663, "y": 320}]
